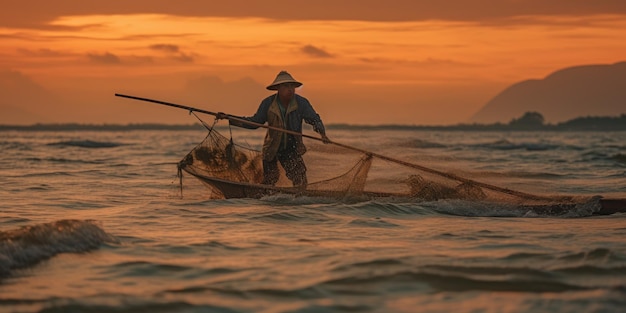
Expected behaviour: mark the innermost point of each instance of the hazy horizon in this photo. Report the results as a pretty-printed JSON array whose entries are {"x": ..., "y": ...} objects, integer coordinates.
[{"x": 581, "y": 123}]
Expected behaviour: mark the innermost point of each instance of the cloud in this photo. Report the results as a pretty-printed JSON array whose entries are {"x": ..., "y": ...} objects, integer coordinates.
[
  {"x": 108, "y": 58},
  {"x": 137, "y": 60},
  {"x": 43, "y": 52},
  {"x": 315, "y": 52},
  {"x": 38, "y": 13},
  {"x": 165, "y": 48},
  {"x": 425, "y": 62},
  {"x": 185, "y": 58},
  {"x": 175, "y": 50},
  {"x": 105, "y": 58}
]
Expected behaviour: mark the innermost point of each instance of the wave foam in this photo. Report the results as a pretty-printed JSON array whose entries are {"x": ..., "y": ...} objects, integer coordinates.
[{"x": 32, "y": 244}]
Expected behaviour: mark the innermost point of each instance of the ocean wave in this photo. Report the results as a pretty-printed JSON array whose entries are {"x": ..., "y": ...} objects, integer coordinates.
[
  {"x": 453, "y": 279},
  {"x": 595, "y": 156},
  {"x": 14, "y": 145},
  {"x": 508, "y": 145},
  {"x": 32, "y": 244},
  {"x": 521, "y": 174},
  {"x": 64, "y": 160},
  {"x": 421, "y": 144},
  {"x": 86, "y": 144},
  {"x": 622, "y": 174},
  {"x": 146, "y": 269},
  {"x": 591, "y": 270},
  {"x": 495, "y": 209},
  {"x": 619, "y": 158},
  {"x": 594, "y": 261},
  {"x": 216, "y": 245},
  {"x": 292, "y": 216},
  {"x": 377, "y": 222},
  {"x": 599, "y": 254},
  {"x": 308, "y": 210},
  {"x": 128, "y": 304},
  {"x": 295, "y": 199},
  {"x": 386, "y": 208}
]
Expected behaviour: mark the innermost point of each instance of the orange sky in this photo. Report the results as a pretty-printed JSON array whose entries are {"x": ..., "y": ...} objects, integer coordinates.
[{"x": 361, "y": 62}]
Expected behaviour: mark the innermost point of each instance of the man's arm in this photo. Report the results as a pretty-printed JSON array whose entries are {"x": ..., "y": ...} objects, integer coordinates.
[
  {"x": 260, "y": 117},
  {"x": 312, "y": 118}
]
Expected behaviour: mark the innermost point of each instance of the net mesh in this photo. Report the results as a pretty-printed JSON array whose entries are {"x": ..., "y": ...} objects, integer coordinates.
[{"x": 232, "y": 170}]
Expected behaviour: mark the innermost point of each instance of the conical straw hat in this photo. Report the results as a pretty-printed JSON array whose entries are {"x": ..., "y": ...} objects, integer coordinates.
[{"x": 281, "y": 78}]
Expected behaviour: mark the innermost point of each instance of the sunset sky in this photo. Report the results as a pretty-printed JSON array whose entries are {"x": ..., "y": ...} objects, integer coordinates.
[{"x": 361, "y": 62}]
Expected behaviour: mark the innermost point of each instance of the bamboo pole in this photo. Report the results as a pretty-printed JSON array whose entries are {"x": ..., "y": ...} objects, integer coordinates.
[{"x": 380, "y": 156}]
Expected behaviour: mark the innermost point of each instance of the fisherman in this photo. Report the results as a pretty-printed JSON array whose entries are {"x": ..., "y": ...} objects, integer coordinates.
[{"x": 284, "y": 109}]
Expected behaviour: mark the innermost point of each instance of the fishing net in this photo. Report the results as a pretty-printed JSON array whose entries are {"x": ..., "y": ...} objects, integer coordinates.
[{"x": 231, "y": 169}]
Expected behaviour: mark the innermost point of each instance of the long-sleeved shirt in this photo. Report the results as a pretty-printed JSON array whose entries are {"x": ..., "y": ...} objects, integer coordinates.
[{"x": 269, "y": 111}]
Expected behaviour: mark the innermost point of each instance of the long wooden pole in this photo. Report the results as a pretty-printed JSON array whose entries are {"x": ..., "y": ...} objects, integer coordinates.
[
  {"x": 229, "y": 117},
  {"x": 380, "y": 156}
]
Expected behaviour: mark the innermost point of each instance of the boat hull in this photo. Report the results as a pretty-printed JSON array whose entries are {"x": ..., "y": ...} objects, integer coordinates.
[
  {"x": 235, "y": 190},
  {"x": 612, "y": 206}
]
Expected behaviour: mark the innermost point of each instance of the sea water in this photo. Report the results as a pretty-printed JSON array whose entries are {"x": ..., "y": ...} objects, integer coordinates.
[{"x": 94, "y": 221}]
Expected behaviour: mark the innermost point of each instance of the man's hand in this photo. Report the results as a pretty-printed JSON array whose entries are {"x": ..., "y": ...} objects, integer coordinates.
[{"x": 325, "y": 139}]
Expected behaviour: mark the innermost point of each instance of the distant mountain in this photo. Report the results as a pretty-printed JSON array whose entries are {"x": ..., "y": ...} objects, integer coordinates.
[
  {"x": 19, "y": 92},
  {"x": 589, "y": 90}
]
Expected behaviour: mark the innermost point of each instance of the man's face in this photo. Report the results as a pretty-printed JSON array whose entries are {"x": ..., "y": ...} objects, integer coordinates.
[{"x": 287, "y": 90}]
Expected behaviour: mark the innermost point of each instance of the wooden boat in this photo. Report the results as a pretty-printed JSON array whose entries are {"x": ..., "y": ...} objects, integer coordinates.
[{"x": 234, "y": 190}]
